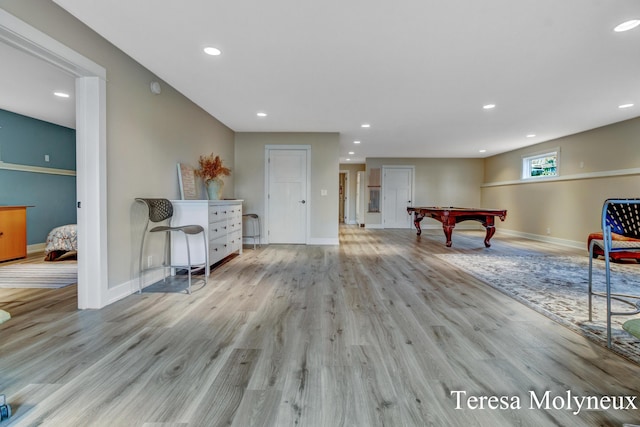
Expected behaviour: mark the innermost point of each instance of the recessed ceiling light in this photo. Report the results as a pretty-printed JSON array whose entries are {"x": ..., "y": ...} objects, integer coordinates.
[
  {"x": 212, "y": 51},
  {"x": 356, "y": 142},
  {"x": 261, "y": 114},
  {"x": 531, "y": 135},
  {"x": 489, "y": 106},
  {"x": 482, "y": 151},
  {"x": 627, "y": 25},
  {"x": 365, "y": 125},
  {"x": 61, "y": 94},
  {"x": 351, "y": 153},
  {"x": 625, "y": 106}
]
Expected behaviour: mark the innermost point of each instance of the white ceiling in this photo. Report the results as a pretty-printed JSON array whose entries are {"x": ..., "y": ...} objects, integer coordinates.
[
  {"x": 419, "y": 71},
  {"x": 27, "y": 85}
]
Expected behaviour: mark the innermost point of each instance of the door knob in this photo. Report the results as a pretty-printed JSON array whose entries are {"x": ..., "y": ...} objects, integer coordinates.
[{"x": 303, "y": 201}]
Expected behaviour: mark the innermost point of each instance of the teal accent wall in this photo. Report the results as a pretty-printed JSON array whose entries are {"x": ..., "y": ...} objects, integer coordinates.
[{"x": 26, "y": 141}]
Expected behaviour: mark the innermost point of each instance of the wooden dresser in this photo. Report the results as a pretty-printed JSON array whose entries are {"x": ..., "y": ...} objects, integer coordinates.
[
  {"x": 13, "y": 232},
  {"x": 222, "y": 223}
]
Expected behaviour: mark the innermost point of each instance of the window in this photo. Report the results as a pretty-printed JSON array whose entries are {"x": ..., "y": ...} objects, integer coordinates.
[{"x": 541, "y": 165}]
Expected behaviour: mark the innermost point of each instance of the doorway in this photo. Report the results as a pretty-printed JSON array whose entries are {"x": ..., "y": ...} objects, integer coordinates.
[
  {"x": 287, "y": 176},
  {"x": 90, "y": 151},
  {"x": 397, "y": 194},
  {"x": 343, "y": 197}
]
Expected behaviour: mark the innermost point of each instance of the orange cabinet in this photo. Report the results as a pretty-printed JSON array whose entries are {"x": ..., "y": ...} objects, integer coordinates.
[{"x": 13, "y": 232}]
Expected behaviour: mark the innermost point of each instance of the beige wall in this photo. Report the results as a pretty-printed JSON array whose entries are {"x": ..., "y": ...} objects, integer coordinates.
[
  {"x": 352, "y": 169},
  {"x": 438, "y": 182},
  {"x": 146, "y": 134},
  {"x": 249, "y": 177},
  {"x": 568, "y": 209}
]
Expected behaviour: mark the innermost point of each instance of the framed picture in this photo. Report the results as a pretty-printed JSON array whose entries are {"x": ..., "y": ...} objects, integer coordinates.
[{"x": 187, "y": 182}]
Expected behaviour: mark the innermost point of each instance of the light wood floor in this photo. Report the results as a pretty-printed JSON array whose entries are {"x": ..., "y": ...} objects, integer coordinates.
[{"x": 374, "y": 332}]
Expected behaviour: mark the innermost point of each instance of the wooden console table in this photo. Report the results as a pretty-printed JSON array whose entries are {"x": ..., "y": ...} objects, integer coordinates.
[{"x": 13, "y": 232}]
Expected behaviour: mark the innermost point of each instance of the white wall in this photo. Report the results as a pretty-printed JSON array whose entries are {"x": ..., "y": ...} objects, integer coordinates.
[
  {"x": 146, "y": 134},
  {"x": 438, "y": 182},
  {"x": 249, "y": 177},
  {"x": 594, "y": 165}
]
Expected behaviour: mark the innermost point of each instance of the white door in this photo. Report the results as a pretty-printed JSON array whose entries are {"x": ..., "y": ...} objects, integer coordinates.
[
  {"x": 397, "y": 188},
  {"x": 287, "y": 195}
]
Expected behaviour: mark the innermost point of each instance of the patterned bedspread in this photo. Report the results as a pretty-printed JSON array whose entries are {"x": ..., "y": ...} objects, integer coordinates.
[{"x": 61, "y": 240}]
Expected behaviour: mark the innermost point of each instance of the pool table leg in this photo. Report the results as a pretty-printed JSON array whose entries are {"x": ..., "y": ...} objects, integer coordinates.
[
  {"x": 491, "y": 230},
  {"x": 448, "y": 230},
  {"x": 416, "y": 221}
]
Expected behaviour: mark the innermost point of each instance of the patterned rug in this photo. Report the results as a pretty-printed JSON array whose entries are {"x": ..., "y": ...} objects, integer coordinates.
[
  {"x": 557, "y": 287},
  {"x": 45, "y": 275}
]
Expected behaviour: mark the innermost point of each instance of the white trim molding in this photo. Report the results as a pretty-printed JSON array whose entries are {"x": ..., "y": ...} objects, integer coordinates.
[
  {"x": 574, "y": 177},
  {"x": 323, "y": 241},
  {"x": 36, "y": 169},
  {"x": 91, "y": 137},
  {"x": 545, "y": 239},
  {"x": 35, "y": 248}
]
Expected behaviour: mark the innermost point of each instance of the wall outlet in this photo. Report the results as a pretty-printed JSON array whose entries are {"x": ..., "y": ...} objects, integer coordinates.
[
  {"x": 548, "y": 230},
  {"x": 46, "y": 157},
  {"x": 149, "y": 260}
]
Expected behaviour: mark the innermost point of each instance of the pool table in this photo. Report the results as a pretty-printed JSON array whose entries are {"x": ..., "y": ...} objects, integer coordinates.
[{"x": 450, "y": 216}]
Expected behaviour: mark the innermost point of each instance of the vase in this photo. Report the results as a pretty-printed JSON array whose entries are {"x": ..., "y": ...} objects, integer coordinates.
[{"x": 214, "y": 189}]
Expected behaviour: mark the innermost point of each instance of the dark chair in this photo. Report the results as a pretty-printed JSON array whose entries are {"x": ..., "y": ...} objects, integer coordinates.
[
  {"x": 161, "y": 210},
  {"x": 622, "y": 217},
  {"x": 254, "y": 219}
]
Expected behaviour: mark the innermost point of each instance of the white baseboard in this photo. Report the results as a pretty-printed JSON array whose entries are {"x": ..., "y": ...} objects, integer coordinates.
[
  {"x": 323, "y": 241},
  {"x": 35, "y": 248},
  {"x": 545, "y": 239},
  {"x": 130, "y": 287},
  {"x": 251, "y": 240}
]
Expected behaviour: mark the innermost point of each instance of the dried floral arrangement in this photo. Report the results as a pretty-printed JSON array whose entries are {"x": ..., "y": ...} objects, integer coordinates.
[{"x": 211, "y": 167}]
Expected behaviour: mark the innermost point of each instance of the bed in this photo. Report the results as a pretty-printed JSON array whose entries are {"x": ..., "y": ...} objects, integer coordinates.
[{"x": 62, "y": 243}]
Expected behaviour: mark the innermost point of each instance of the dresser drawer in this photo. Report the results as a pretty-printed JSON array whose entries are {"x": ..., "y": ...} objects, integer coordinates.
[
  {"x": 234, "y": 226},
  {"x": 218, "y": 249},
  {"x": 234, "y": 240},
  {"x": 234, "y": 213},
  {"x": 217, "y": 229},
  {"x": 215, "y": 213}
]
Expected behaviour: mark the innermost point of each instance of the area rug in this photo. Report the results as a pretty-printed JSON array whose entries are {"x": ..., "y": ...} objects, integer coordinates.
[
  {"x": 556, "y": 286},
  {"x": 38, "y": 275}
]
